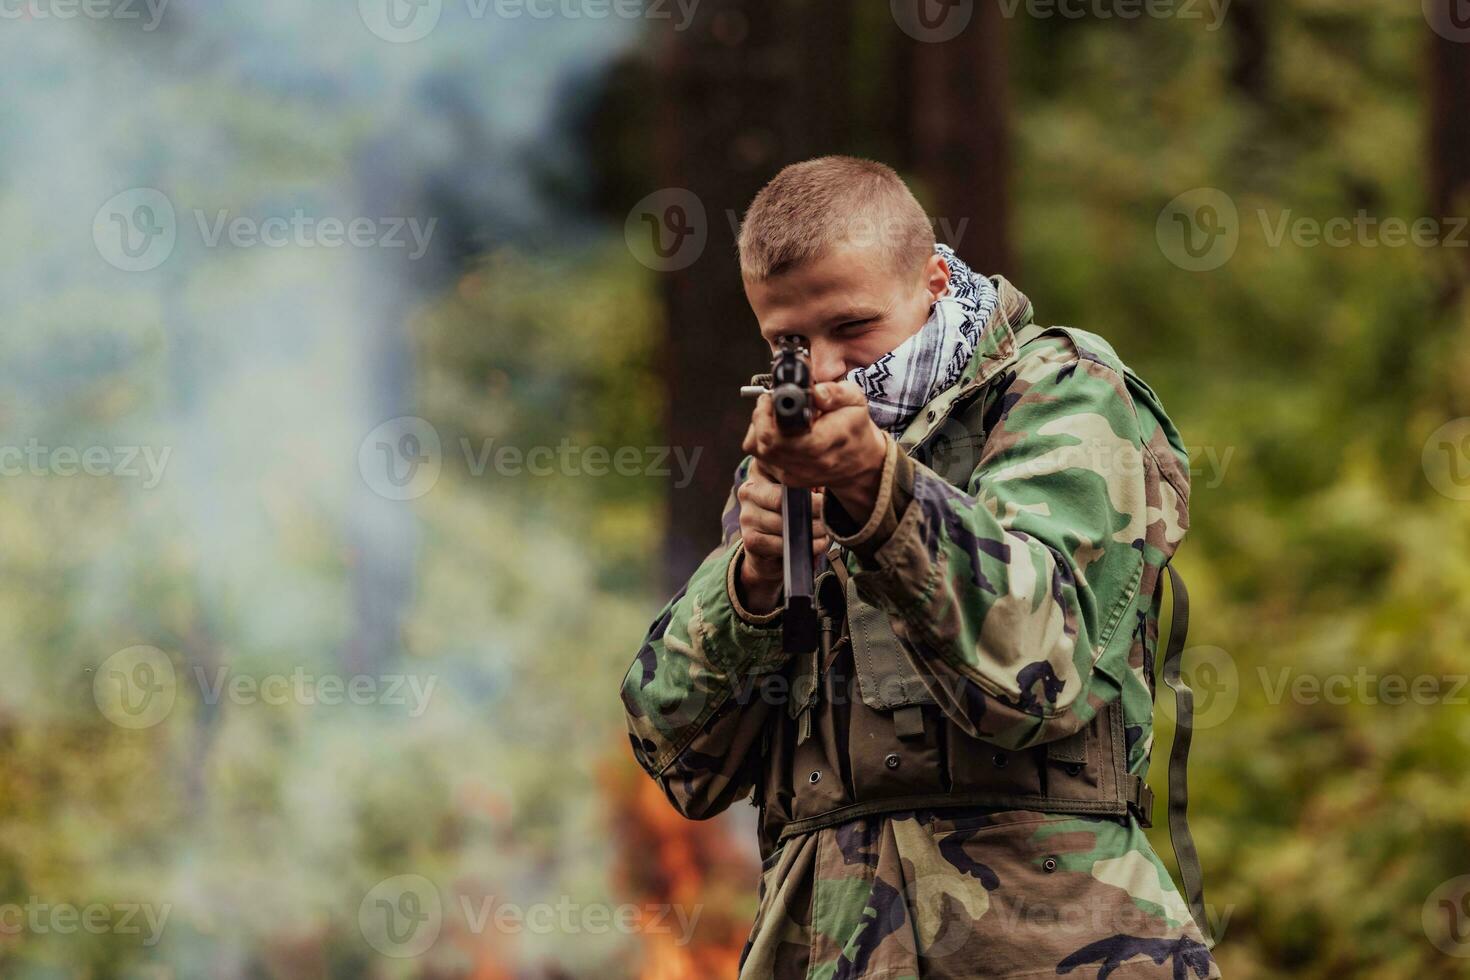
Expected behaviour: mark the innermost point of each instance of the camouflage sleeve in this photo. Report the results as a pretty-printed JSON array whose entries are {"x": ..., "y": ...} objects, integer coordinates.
[
  {"x": 1008, "y": 594},
  {"x": 695, "y": 694}
]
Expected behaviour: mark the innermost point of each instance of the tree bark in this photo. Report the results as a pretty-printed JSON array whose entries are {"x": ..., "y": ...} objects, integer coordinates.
[
  {"x": 962, "y": 141},
  {"x": 748, "y": 87},
  {"x": 1450, "y": 121}
]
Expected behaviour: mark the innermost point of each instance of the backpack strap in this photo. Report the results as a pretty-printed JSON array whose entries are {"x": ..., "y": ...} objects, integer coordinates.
[{"x": 1179, "y": 836}]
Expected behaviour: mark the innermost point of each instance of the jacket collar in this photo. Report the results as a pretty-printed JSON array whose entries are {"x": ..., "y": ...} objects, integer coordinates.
[{"x": 996, "y": 349}]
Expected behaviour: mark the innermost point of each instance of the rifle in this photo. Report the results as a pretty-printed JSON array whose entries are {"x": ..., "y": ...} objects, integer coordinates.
[{"x": 790, "y": 385}]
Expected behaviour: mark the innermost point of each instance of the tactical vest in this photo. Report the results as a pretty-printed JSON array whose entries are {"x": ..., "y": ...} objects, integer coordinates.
[{"x": 883, "y": 745}]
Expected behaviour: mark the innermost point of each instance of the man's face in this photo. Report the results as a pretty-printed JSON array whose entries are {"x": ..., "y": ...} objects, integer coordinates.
[{"x": 849, "y": 305}]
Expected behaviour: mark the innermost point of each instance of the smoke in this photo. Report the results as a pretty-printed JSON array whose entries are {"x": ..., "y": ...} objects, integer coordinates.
[{"x": 220, "y": 219}]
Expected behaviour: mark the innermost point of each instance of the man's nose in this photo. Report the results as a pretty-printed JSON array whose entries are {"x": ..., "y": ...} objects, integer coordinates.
[{"x": 827, "y": 363}]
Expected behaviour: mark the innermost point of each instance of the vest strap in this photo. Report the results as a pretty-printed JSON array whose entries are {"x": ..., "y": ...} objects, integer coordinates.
[
  {"x": 942, "y": 801},
  {"x": 1179, "y": 836}
]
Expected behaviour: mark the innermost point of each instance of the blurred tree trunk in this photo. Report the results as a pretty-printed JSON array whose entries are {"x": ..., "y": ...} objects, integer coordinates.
[
  {"x": 1248, "y": 72},
  {"x": 1450, "y": 120},
  {"x": 747, "y": 87},
  {"x": 961, "y": 151},
  {"x": 1449, "y": 170}
]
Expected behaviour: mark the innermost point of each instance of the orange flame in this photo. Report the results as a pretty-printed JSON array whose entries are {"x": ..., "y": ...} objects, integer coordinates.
[{"x": 666, "y": 862}]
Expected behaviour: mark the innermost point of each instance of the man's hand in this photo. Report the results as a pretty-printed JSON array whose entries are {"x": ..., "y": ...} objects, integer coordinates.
[
  {"x": 842, "y": 452},
  {"x": 762, "y": 570}
]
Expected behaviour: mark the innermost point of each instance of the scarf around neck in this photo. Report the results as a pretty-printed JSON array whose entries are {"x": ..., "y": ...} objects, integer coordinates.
[{"x": 905, "y": 379}]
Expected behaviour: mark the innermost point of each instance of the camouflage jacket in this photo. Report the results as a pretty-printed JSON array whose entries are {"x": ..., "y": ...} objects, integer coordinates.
[{"x": 1020, "y": 567}]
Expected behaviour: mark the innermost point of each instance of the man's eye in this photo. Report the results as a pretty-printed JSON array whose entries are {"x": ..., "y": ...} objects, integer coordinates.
[{"x": 854, "y": 326}]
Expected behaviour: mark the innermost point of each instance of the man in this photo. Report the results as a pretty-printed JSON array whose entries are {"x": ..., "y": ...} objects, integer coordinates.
[{"x": 951, "y": 784}]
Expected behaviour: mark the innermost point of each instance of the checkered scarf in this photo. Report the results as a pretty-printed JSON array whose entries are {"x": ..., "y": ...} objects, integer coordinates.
[{"x": 904, "y": 380}]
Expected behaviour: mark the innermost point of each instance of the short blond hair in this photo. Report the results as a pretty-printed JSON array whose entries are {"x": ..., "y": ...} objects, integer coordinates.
[{"x": 813, "y": 206}]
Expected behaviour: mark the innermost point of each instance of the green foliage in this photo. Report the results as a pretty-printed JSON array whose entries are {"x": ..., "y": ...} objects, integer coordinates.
[{"x": 1321, "y": 549}]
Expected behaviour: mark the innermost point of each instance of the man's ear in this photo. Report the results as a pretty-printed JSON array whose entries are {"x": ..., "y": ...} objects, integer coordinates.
[{"x": 936, "y": 275}]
